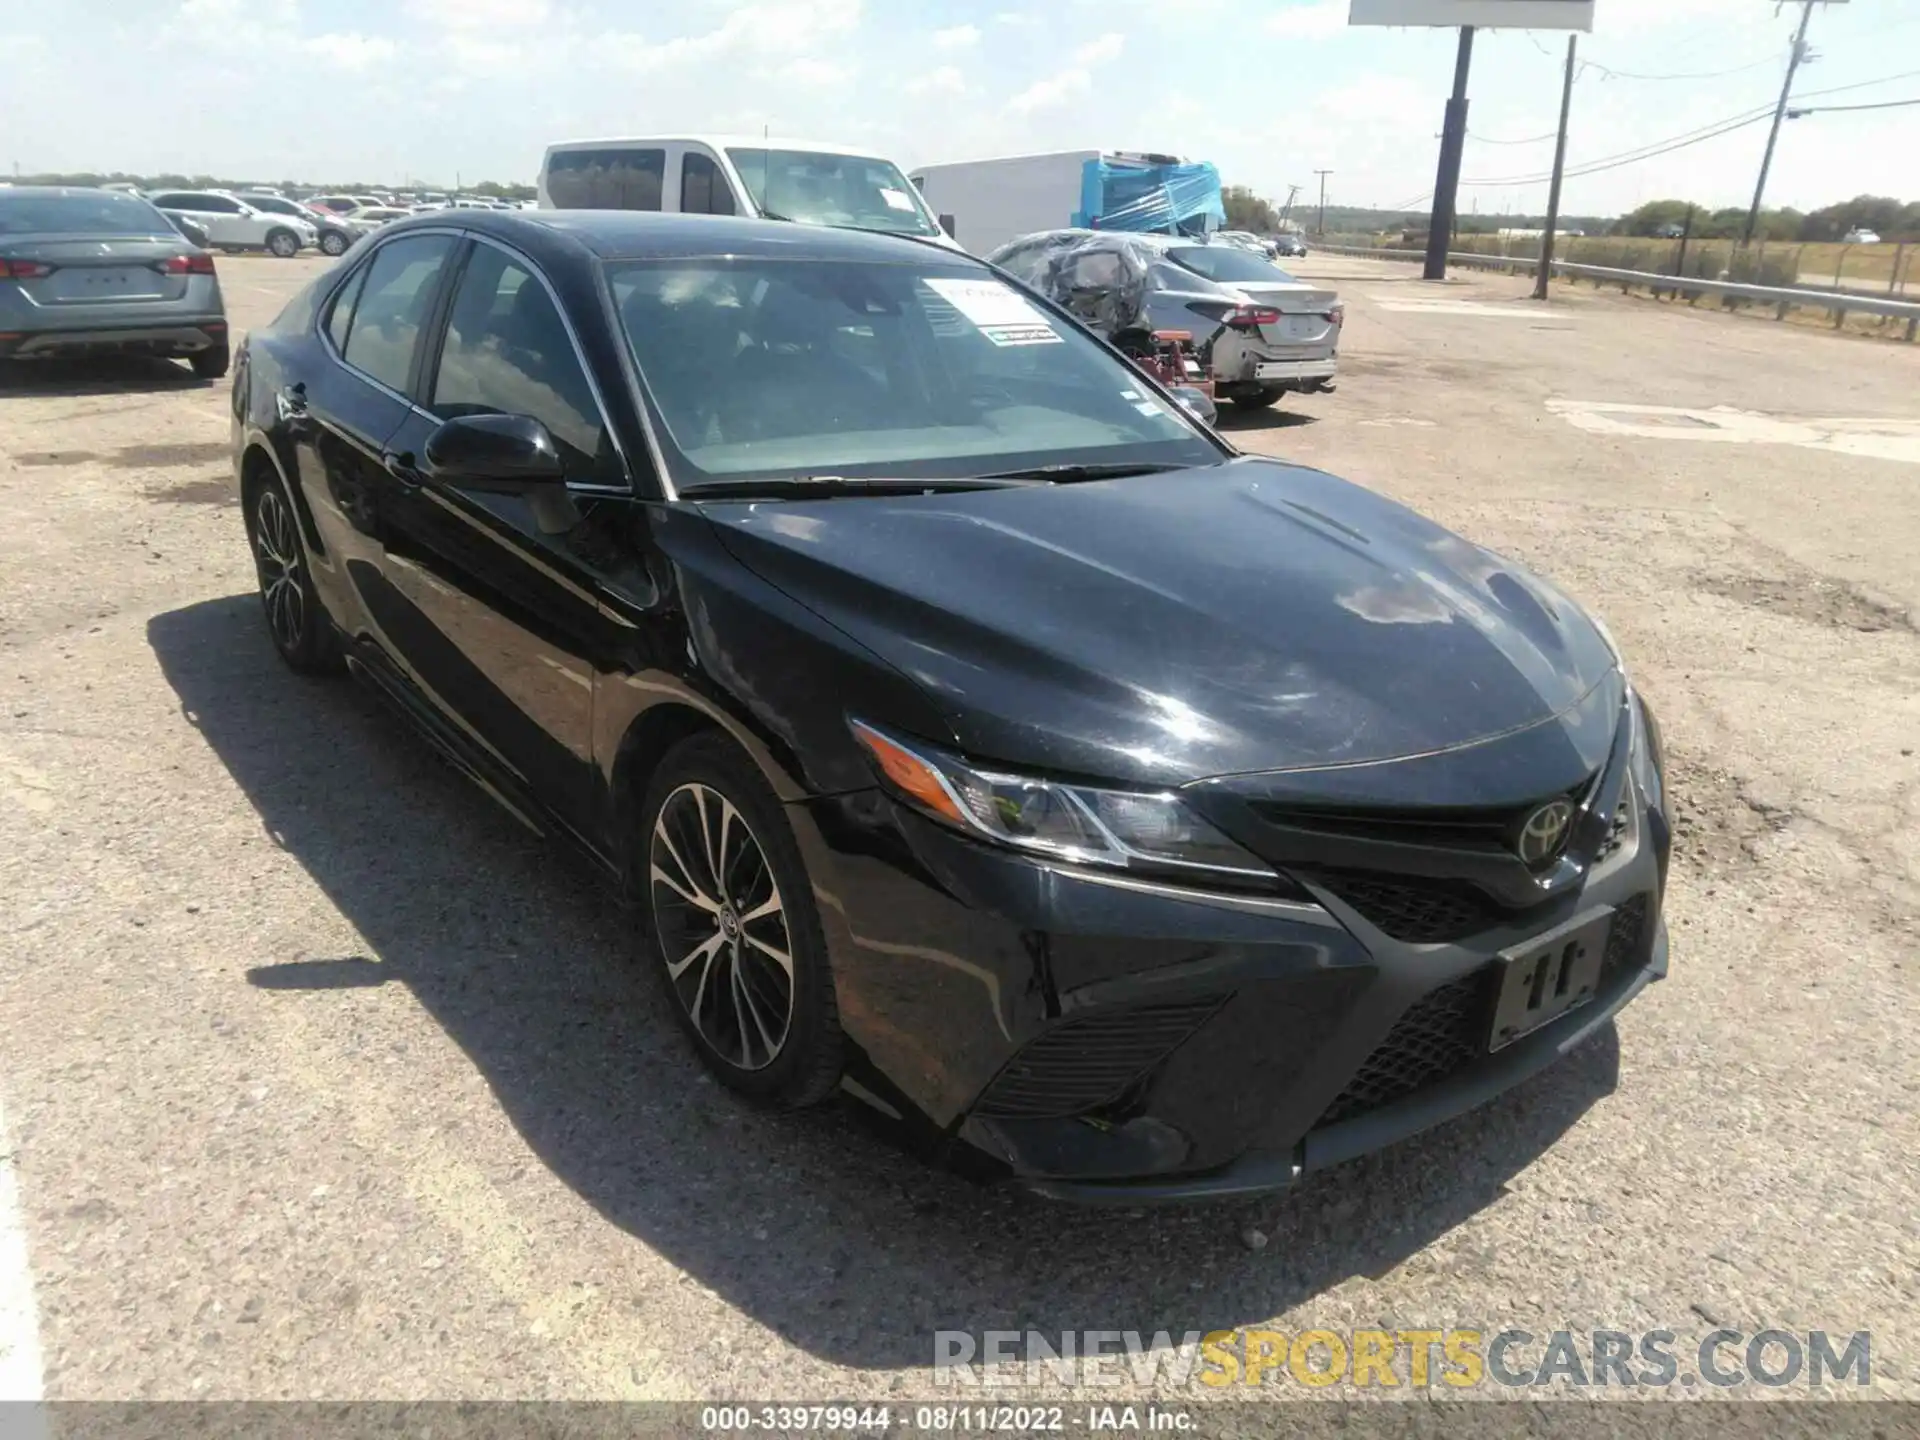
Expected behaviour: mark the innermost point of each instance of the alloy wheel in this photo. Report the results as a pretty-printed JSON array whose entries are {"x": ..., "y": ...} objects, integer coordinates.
[
  {"x": 721, "y": 926},
  {"x": 276, "y": 556}
]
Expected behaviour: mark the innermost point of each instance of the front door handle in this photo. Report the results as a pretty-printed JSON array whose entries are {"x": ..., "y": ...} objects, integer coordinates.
[{"x": 400, "y": 466}]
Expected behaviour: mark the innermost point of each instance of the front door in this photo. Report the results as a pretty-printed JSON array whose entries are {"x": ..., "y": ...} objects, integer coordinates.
[{"x": 504, "y": 587}]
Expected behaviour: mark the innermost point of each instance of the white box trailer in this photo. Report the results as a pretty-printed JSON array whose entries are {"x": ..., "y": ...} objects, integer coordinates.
[{"x": 991, "y": 202}]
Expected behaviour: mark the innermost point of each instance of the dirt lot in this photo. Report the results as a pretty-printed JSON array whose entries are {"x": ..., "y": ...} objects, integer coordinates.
[{"x": 472, "y": 1158}]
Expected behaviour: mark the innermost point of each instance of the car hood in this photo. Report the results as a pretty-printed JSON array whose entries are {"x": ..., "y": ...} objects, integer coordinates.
[{"x": 1251, "y": 616}]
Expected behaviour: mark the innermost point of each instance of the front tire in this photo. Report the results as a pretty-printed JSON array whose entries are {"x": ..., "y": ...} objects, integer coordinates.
[
  {"x": 737, "y": 940},
  {"x": 283, "y": 244},
  {"x": 333, "y": 243},
  {"x": 297, "y": 622}
]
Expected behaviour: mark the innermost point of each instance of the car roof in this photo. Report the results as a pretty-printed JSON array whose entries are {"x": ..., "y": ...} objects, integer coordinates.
[
  {"x": 653, "y": 234},
  {"x": 725, "y": 142},
  {"x": 68, "y": 190}
]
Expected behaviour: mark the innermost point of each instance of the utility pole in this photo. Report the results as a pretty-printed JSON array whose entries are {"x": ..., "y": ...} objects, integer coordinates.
[
  {"x": 1287, "y": 209},
  {"x": 1322, "y": 228},
  {"x": 1446, "y": 184},
  {"x": 1545, "y": 272},
  {"x": 1786, "y": 88}
]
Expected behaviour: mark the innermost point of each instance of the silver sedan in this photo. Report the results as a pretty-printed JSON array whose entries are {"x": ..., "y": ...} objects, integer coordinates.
[{"x": 97, "y": 271}]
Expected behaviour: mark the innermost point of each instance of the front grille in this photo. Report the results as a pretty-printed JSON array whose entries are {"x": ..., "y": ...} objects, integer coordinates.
[
  {"x": 1082, "y": 1065},
  {"x": 1453, "y": 828},
  {"x": 1624, "y": 940},
  {"x": 1442, "y": 1031},
  {"x": 1414, "y": 911}
]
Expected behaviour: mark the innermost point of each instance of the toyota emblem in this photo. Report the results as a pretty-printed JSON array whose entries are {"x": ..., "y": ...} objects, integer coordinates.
[{"x": 1543, "y": 832}]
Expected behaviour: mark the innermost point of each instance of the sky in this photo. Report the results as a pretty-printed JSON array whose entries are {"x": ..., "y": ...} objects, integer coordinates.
[{"x": 447, "y": 91}]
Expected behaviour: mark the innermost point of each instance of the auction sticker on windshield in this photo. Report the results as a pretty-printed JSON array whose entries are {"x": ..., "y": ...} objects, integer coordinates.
[{"x": 1000, "y": 314}]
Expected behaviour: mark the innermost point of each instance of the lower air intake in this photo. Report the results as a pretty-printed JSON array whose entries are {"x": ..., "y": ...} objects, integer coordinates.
[
  {"x": 1084, "y": 1064},
  {"x": 1440, "y": 1032}
]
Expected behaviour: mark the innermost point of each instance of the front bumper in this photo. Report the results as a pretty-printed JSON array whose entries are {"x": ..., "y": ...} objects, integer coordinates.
[{"x": 1104, "y": 1039}]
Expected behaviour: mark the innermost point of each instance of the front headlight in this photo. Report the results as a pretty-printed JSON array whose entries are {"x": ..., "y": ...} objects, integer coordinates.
[{"x": 1121, "y": 828}]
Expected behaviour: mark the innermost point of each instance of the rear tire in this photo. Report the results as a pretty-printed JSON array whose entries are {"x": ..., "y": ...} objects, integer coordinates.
[
  {"x": 211, "y": 363},
  {"x": 283, "y": 244},
  {"x": 333, "y": 243},
  {"x": 1257, "y": 400},
  {"x": 737, "y": 942},
  {"x": 297, "y": 623}
]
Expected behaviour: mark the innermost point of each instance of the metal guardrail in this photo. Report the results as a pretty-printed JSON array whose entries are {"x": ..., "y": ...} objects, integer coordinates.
[{"x": 1840, "y": 303}]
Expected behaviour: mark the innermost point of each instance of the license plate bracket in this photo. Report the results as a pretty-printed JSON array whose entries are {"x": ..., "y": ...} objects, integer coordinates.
[{"x": 1548, "y": 976}]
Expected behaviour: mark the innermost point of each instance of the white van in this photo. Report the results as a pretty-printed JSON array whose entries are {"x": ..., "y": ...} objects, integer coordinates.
[{"x": 799, "y": 180}]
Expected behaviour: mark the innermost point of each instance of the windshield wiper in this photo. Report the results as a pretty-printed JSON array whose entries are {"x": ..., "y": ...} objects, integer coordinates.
[
  {"x": 1099, "y": 470},
  {"x": 812, "y": 487}
]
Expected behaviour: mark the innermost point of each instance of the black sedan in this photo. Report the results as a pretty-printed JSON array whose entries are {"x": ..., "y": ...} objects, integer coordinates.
[{"x": 977, "y": 733}]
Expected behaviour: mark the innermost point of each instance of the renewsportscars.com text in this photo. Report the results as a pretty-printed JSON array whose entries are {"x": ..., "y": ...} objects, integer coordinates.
[{"x": 1224, "y": 1360}]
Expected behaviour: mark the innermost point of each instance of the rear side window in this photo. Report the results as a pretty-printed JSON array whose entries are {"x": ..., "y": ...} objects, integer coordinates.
[
  {"x": 508, "y": 352},
  {"x": 213, "y": 204},
  {"x": 101, "y": 214},
  {"x": 340, "y": 319},
  {"x": 606, "y": 179},
  {"x": 703, "y": 189},
  {"x": 392, "y": 307}
]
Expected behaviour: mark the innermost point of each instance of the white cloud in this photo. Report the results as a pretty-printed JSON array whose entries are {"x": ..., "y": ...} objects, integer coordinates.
[
  {"x": 1016, "y": 19},
  {"x": 349, "y": 49},
  {"x": 947, "y": 80},
  {"x": 956, "y": 37},
  {"x": 812, "y": 70},
  {"x": 1073, "y": 82},
  {"x": 795, "y": 28},
  {"x": 1311, "y": 20},
  {"x": 481, "y": 14},
  {"x": 1056, "y": 90},
  {"x": 1099, "y": 52}
]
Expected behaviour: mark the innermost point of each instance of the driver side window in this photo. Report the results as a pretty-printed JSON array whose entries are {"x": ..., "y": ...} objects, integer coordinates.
[{"x": 508, "y": 352}]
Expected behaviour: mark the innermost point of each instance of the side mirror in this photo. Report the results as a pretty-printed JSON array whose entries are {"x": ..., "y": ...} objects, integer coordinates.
[
  {"x": 1199, "y": 404},
  {"x": 507, "y": 453},
  {"x": 946, "y": 224}
]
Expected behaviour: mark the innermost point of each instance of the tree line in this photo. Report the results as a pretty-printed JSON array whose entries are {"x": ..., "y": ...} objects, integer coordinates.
[
  {"x": 492, "y": 189},
  {"x": 1888, "y": 218}
]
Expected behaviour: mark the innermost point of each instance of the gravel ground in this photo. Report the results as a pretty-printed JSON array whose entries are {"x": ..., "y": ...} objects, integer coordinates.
[{"x": 324, "y": 1079}]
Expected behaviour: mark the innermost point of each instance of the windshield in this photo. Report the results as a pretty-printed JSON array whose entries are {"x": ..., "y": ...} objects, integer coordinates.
[
  {"x": 857, "y": 191},
  {"x": 763, "y": 368},
  {"x": 1228, "y": 263},
  {"x": 101, "y": 214}
]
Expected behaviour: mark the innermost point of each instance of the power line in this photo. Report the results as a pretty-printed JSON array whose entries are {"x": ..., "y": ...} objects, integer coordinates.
[
  {"x": 1709, "y": 131},
  {"x": 1611, "y": 74},
  {"x": 1530, "y": 140},
  {"x": 1829, "y": 109}
]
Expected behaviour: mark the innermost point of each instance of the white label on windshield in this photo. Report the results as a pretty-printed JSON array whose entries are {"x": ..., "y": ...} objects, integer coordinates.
[
  {"x": 1002, "y": 316},
  {"x": 898, "y": 199}
]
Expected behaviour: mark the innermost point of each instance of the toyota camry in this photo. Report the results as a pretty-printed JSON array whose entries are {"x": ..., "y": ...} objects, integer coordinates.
[{"x": 976, "y": 733}]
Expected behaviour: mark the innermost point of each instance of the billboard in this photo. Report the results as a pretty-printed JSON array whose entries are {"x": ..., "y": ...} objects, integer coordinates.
[{"x": 1484, "y": 14}]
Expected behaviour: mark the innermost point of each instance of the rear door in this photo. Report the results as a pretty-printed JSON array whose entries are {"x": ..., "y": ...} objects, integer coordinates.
[
  {"x": 502, "y": 589},
  {"x": 343, "y": 412}
]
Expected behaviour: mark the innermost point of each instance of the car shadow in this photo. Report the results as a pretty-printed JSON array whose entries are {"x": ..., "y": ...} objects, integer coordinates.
[
  {"x": 1232, "y": 418},
  {"x": 96, "y": 375},
  {"x": 812, "y": 1224}
]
